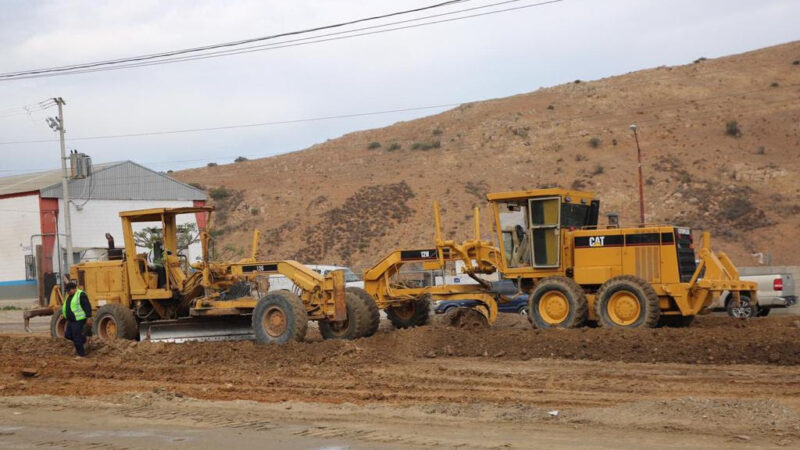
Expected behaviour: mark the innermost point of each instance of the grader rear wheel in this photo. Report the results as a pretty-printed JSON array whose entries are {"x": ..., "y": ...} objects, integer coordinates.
[
  {"x": 557, "y": 302},
  {"x": 627, "y": 302},
  {"x": 279, "y": 317},
  {"x": 58, "y": 325},
  {"x": 410, "y": 314}
]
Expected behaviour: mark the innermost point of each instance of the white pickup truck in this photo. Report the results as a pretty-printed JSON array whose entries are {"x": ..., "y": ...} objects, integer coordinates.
[
  {"x": 774, "y": 291},
  {"x": 278, "y": 282}
]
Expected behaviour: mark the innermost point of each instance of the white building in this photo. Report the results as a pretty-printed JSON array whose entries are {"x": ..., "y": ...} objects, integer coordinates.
[{"x": 31, "y": 206}]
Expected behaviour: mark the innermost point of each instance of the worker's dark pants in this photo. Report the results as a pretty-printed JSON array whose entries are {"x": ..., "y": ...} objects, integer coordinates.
[{"x": 74, "y": 333}]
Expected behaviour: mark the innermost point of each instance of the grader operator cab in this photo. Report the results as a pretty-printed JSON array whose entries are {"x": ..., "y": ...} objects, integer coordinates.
[
  {"x": 573, "y": 270},
  {"x": 132, "y": 299}
]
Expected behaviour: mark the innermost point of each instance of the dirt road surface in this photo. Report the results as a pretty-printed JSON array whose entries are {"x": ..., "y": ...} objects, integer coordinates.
[{"x": 719, "y": 384}]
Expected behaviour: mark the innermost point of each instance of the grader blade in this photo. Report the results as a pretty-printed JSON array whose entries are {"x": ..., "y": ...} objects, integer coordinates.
[{"x": 183, "y": 330}]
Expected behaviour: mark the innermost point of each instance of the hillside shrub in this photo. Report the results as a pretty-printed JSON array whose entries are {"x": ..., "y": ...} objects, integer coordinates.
[
  {"x": 211, "y": 164},
  {"x": 240, "y": 159},
  {"x": 394, "y": 146},
  {"x": 594, "y": 142},
  {"x": 732, "y": 128},
  {"x": 373, "y": 145},
  {"x": 219, "y": 193},
  {"x": 426, "y": 145}
]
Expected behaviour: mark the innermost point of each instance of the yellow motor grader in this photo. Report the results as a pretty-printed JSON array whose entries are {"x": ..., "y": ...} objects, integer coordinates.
[
  {"x": 134, "y": 299},
  {"x": 573, "y": 271}
]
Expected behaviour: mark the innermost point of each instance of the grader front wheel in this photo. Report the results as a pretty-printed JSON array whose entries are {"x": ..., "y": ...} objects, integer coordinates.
[
  {"x": 627, "y": 302},
  {"x": 114, "y": 322},
  {"x": 372, "y": 311},
  {"x": 410, "y": 314},
  {"x": 354, "y": 326},
  {"x": 557, "y": 302},
  {"x": 279, "y": 317}
]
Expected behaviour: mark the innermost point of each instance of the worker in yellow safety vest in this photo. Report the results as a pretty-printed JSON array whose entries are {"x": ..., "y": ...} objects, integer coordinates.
[{"x": 76, "y": 310}]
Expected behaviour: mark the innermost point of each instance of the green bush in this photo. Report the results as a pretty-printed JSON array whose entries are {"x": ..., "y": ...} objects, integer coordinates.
[
  {"x": 254, "y": 211},
  {"x": 211, "y": 164},
  {"x": 732, "y": 128},
  {"x": 594, "y": 142},
  {"x": 219, "y": 193},
  {"x": 240, "y": 159},
  {"x": 426, "y": 145},
  {"x": 394, "y": 146},
  {"x": 373, "y": 145},
  {"x": 437, "y": 131}
]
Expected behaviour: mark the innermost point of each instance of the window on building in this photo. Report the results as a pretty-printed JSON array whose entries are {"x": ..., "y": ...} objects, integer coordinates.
[{"x": 30, "y": 267}]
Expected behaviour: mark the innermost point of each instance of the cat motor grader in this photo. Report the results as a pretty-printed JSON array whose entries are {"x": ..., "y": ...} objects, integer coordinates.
[
  {"x": 132, "y": 298},
  {"x": 573, "y": 271}
]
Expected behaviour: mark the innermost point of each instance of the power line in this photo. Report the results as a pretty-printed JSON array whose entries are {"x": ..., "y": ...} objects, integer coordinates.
[
  {"x": 344, "y": 116},
  {"x": 144, "y": 62},
  {"x": 230, "y": 127},
  {"x": 221, "y": 45}
]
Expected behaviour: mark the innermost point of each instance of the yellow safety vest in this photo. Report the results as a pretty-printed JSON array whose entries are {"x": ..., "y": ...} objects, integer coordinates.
[{"x": 75, "y": 306}]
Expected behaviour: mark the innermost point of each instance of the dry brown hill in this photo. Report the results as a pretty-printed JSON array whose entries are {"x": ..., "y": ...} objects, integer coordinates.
[{"x": 351, "y": 200}]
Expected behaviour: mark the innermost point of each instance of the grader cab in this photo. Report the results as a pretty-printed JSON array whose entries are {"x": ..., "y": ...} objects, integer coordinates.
[
  {"x": 573, "y": 270},
  {"x": 132, "y": 298}
]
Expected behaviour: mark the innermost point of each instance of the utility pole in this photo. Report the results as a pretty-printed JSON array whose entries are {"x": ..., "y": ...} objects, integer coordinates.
[
  {"x": 64, "y": 180},
  {"x": 641, "y": 182}
]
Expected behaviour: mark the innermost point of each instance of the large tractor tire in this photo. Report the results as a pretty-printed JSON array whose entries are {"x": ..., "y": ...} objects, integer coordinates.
[
  {"x": 354, "y": 326},
  {"x": 745, "y": 310},
  {"x": 114, "y": 321},
  {"x": 627, "y": 301},
  {"x": 279, "y": 317},
  {"x": 58, "y": 325},
  {"x": 411, "y": 314},
  {"x": 373, "y": 313},
  {"x": 557, "y": 302}
]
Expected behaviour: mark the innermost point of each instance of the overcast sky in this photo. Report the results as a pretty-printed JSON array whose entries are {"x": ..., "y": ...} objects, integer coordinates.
[{"x": 461, "y": 61}]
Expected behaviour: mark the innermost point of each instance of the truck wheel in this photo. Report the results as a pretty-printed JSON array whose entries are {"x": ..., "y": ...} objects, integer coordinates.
[
  {"x": 115, "y": 321},
  {"x": 627, "y": 302},
  {"x": 353, "y": 326},
  {"x": 410, "y": 314},
  {"x": 557, "y": 302},
  {"x": 58, "y": 325},
  {"x": 279, "y": 317},
  {"x": 373, "y": 313},
  {"x": 745, "y": 310}
]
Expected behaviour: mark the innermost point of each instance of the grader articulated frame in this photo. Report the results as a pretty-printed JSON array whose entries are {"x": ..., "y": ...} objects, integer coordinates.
[
  {"x": 217, "y": 300},
  {"x": 572, "y": 270}
]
